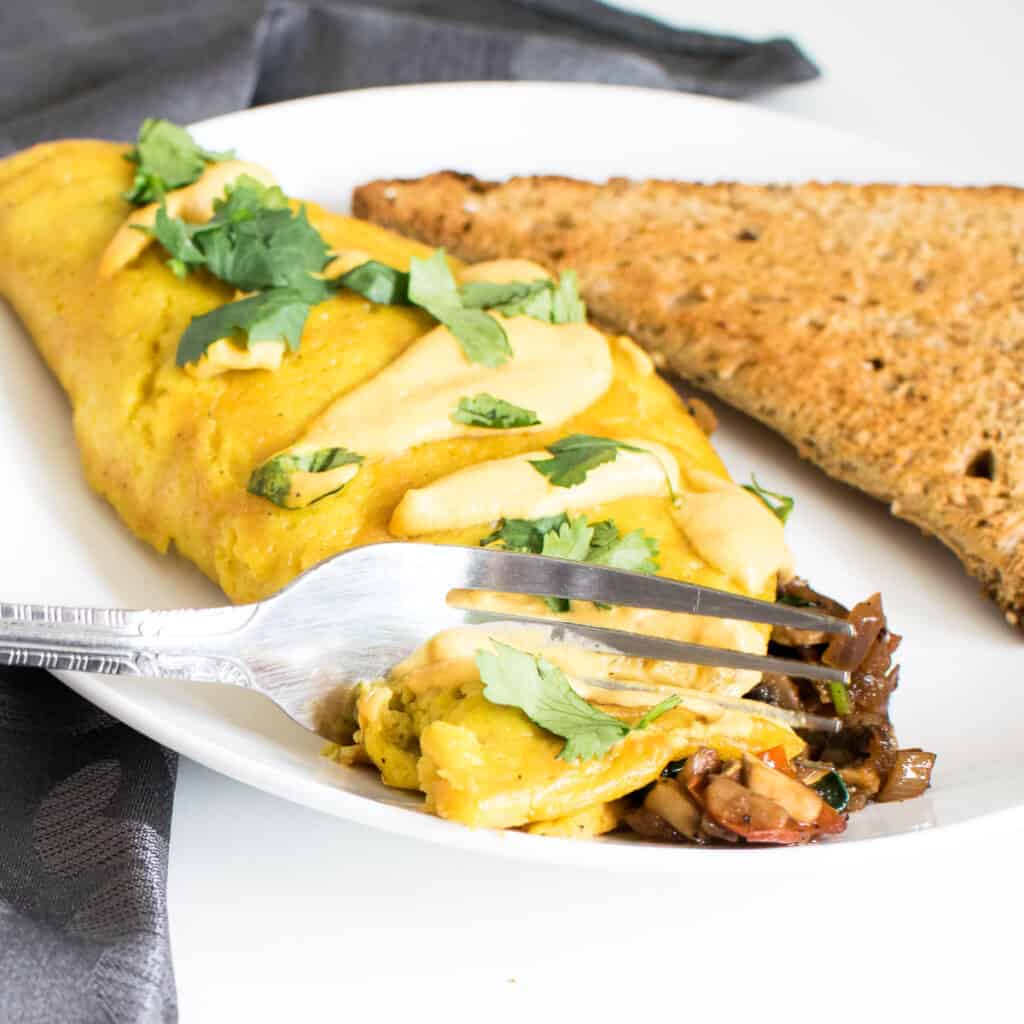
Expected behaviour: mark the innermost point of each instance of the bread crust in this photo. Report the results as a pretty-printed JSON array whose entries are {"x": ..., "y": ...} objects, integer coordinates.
[{"x": 879, "y": 328}]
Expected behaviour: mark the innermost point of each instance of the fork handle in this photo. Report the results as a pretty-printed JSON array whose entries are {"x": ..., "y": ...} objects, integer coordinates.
[{"x": 181, "y": 644}]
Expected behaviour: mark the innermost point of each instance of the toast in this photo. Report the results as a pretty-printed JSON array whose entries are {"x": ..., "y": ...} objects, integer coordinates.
[{"x": 879, "y": 328}]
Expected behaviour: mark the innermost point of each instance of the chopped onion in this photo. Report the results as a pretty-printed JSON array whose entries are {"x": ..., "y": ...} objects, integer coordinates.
[{"x": 910, "y": 776}]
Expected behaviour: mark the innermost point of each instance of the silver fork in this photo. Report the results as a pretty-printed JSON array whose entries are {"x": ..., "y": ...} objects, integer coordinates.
[{"x": 356, "y": 615}]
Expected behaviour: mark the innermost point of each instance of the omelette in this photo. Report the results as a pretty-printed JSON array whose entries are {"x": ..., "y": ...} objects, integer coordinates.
[{"x": 356, "y": 413}]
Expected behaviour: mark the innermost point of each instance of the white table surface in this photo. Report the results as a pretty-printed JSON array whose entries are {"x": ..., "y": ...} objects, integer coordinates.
[{"x": 278, "y": 913}]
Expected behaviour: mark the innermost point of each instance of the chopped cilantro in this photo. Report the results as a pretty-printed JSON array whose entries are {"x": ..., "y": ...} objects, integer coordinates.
[
  {"x": 432, "y": 287},
  {"x": 576, "y": 455},
  {"x": 635, "y": 551},
  {"x": 176, "y": 237},
  {"x": 166, "y": 157},
  {"x": 524, "y": 534},
  {"x": 782, "y": 504},
  {"x": 567, "y": 306},
  {"x": 273, "y": 480},
  {"x": 378, "y": 283},
  {"x": 257, "y": 244},
  {"x": 484, "y": 410},
  {"x": 542, "y": 692},
  {"x": 563, "y": 537},
  {"x": 275, "y": 315},
  {"x": 255, "y": 241},
  {"x": 571, "y": 540},
  {"x": 543, "y": 300},
  {"x": 499, "y": 294}
]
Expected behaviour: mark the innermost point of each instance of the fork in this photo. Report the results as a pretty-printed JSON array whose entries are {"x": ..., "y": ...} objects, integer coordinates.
[{"x": 356, "y": 615}]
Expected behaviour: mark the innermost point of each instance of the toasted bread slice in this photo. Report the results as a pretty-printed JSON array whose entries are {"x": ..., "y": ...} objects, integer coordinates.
[{"x": 879, "y": 328}]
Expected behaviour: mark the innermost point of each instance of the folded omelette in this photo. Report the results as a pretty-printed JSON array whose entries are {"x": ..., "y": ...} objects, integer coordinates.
[{"x": 188, "y": 455}]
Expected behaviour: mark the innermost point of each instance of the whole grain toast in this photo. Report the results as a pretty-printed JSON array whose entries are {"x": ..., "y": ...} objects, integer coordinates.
[{"x": 880, "y": 328}]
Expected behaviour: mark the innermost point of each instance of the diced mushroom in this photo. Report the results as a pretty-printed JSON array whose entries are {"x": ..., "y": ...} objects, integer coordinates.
[
  {"x": 646, "y": 823},
  {"x": 754, "y": 817},
  {"x": 672, "y": 803},
  {"x": 800, "y": 801}
]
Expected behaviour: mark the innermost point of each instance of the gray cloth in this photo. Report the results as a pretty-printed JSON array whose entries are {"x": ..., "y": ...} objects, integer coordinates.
[
  {"x": 85, "y": 803},
  {"x": 73, "y": 68}
]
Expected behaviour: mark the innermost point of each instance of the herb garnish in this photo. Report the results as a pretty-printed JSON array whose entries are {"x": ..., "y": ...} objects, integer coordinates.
[
  {"x": 541, "y": 690},
  {"x": 166, "y": 157},
  {"x": 576, "y": 455},
  {"x": 543, "y": 300},
  {"x": 432, "y": 287},
  {"x": 484, "y": 410},
  {"x": 273, "y": 480},
  {"x": 255, "y": 242},
  {"x": 780, "y": 507},
  {"x": 574, "y": 538},
  {"x": 378, "y": 283},
  {"x": 275, "y": 315}
]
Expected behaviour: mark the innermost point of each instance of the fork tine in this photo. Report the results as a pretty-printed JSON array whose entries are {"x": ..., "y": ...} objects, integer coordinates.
[
  {"x": 511, "y": 572},
  {"x": 641, "y": 646}
]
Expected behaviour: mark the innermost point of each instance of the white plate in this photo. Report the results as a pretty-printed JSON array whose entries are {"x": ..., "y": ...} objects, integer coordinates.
[{"x": 959, "y": 694}]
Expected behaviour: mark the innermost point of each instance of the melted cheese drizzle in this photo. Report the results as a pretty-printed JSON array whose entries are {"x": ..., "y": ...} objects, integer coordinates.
[
  {"x": 513, "y": 488},
  {"x": 411, "y": 401},
  {"x": 734, "y": 531},
  {"x": 193, "y": 203}
]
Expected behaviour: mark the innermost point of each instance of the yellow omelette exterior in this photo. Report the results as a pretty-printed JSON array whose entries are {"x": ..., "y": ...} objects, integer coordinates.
[{"x": 173, "y": 454}]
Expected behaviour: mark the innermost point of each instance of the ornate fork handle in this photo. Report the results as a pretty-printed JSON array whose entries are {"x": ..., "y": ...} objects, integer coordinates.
[{"x": 180, "y": 644}]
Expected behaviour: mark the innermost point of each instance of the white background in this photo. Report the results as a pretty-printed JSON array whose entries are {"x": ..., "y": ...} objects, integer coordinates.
[{"x": 281, "y": 914}]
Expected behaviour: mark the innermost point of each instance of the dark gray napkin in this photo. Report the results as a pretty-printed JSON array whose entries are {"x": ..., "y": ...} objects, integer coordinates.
[{"x": 85, "y": 803}]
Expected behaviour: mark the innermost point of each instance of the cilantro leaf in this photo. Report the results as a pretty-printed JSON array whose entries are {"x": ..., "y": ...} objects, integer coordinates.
[
  {"x": 484, "y": 410},
  {"x": 378, "y": 283},
  {"x": 635, "y": 551},
  {"x": 500, "y": 295},
  {"x": 176, "y": 237},
  {"x": 253, "y": 241},
  {"x": 783, "y": 504},
  {"x": 266, "y": 247},
  {"x": 275, "y": 315},
  {"x": 257, "y": 244},
  {"x": 524, "y": 534},
  {"x": 576, "y": 455},
  {"x": 563, "y": 537},
  {"x": 273, "y": 480},
  {"x": 432, "y": 287},
  {"x": 482, "y": 338},
  {"x": 247, "y": 197},
  {"x": 166, "y": 158},
  {"x": 541, "y": 690},
  {"x": 571, "y": 540},
  {"x": 543, "y": 300},
  {"x": 567, "y": 306}
]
